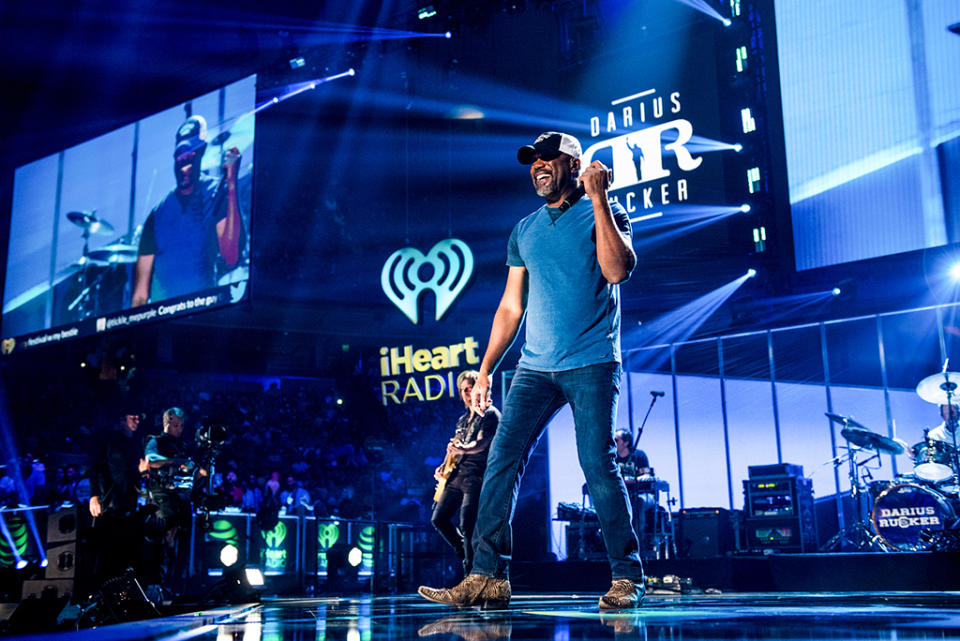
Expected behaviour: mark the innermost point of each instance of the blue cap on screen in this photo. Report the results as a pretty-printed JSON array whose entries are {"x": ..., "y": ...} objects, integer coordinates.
[{"x": 191, "y": 136}]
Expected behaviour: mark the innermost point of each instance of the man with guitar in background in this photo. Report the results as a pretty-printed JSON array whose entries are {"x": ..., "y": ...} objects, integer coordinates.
[{"x": 460, "y": 475}]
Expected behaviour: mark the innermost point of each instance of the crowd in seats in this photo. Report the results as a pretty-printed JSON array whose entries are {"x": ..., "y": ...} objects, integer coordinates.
[{"x": 327, "y": 447}]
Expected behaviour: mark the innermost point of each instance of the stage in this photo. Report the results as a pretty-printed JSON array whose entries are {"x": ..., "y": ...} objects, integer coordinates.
[{"x": 809, "y": 615}]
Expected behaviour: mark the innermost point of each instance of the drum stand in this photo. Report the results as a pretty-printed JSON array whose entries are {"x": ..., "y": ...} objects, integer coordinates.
[{"x": 857, "y": 535}]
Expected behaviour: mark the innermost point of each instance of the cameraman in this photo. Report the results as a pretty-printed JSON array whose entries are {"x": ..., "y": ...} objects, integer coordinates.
[{"x": 169, "y": 525}]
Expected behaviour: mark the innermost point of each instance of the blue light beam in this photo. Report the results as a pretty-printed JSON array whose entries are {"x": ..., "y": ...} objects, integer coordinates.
[{"x": 678, "y": 325}]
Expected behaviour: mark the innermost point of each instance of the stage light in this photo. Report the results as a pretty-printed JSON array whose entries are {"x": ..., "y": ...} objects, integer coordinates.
[
  {"x": 229, "y": 555},
  {"x": 836, "y": 291},
  {"x": 428, "y": 11},
  {"x": 351, "y": 72},
  {"x": 447, "y": 35},
  {"x": 44, "y": 563},
  {"x": 955, "y": 271},
  {"x": 751, "y": 273},
  {"x": 297, "y": 63},
  {"x": 735, "y": 8},
  {"x": 749, "y": 124},
  {"x": 741, "y": 58},
  {"x": 727, "y": 22},
  {"x": 22, "y": 563},
  {"x": 745, "y": 208},
  {"x": 254, "y": 577},
  {"x": 738, "y": 147},
  {"x": 355, "y": 556},
  {"x": 339, "y": 401}
]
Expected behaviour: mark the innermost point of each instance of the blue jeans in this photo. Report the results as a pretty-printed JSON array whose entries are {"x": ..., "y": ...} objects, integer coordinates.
[{"x": 534, "y": 397}]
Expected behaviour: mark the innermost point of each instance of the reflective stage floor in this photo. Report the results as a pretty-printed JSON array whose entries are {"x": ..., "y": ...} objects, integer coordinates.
[{"x": 564, "y": 617}]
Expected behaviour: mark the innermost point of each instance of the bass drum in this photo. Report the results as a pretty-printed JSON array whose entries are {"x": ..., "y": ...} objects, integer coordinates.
[{"x": 908, "y": 517}]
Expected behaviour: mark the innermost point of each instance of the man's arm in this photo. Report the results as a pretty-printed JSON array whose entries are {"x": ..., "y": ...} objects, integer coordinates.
[
  {"x": 506, "y": 323},
  {"x": 141, "y": 291},
  {"x": 228, "y": 229},
  {"x": 614, "y": 248}
]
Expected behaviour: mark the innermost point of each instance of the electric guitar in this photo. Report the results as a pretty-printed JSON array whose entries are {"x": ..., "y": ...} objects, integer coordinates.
[{"x": 452, "y": 459}]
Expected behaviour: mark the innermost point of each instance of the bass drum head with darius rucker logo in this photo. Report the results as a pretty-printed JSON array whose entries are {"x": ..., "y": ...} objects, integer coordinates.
[{"x": 909, "y": 517}]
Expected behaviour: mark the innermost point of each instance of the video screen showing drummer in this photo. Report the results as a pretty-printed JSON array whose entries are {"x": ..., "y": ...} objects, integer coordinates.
[{"x": 934, "y": 457}]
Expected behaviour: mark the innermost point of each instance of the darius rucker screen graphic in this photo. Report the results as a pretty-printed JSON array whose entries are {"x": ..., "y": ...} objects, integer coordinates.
[{"x": 665, "y": 116}]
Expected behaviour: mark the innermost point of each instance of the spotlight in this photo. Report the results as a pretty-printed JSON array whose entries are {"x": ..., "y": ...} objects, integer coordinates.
[
  {"x": 22, "y": 563},
  {"x": 955, "y": 271},
  {"x": 229, "y": 555},
  {"x": 745, "y": 208},
  {"x": 836, "y": 291},
  {"x": 339, "y": 401},
  {"x": 254, "y": 577},
  {"x": 738, "y": 147},
  {"x": 447, "y": 35},
  {"x": 726, "y": 22},
  {"x": 751, "y": 273},
  {"x": 44, "y": 563},
  {"x": 351, "y": 72},
  {"x": 355, "y": 556}
]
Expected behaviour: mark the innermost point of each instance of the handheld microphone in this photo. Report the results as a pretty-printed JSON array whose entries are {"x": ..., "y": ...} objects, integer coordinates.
[
  {"x": 574, "y": 197},
  {"x": 655, "y": 393}
]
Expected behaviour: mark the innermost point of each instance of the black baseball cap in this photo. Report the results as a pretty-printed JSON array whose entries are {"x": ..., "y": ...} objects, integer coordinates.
[{"x": 191, "y": 136}]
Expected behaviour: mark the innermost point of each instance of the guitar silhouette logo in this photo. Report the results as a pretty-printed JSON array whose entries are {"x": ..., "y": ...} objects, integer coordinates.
[{"x": 448, "y": 267}]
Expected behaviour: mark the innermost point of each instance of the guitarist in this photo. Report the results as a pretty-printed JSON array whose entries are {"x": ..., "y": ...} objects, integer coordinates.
[{"x": 460, "y": 475}]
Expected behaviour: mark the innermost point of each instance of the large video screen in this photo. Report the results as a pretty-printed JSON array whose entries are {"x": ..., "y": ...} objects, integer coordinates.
[
  {"x": 871, "y": 106},
  {"x": 149, "y": 221}
]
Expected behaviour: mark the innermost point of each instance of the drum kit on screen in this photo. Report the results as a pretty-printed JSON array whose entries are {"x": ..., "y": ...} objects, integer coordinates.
[
  {"x": 88, "y": 269},
  {"x": 913, "y": 512}
]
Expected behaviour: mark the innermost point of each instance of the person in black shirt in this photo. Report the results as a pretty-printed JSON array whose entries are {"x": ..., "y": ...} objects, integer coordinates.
[
  {"x": 461, "y": 473},
  {"x": 114, "y": 493},
  {"x": 635, "y": 466}
]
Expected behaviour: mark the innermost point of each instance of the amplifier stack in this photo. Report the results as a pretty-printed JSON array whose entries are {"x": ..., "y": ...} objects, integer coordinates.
[{"x": 779, "y": 510}]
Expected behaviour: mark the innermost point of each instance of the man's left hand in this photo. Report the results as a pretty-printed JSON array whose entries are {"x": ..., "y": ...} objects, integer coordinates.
[
  {"x": 231, "y": 164},
  {"x": 596, "y": 179}
]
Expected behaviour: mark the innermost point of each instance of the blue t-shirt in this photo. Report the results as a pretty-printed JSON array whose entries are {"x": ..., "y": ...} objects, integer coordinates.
[
  {"x": 181, "y": 233},
  {"x": 573, "y": 313}
]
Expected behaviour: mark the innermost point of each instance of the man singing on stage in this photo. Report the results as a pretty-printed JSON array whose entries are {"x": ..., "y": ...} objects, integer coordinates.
[
  {"x": 195, "y": 228},
  {"x": 461, "y": 473},
  {"x": 566, "y": 261}
]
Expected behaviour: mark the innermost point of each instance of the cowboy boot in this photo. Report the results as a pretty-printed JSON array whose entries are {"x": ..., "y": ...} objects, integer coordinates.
[
  {"x": 487, "y": 592},
  {"x": 623, "y": 593}
]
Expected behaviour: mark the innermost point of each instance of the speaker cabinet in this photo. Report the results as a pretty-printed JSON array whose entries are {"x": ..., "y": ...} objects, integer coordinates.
[{"x": 704, "y": 532}]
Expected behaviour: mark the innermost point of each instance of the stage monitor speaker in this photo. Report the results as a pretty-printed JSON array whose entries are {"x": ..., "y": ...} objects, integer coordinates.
[
  {"x": 62, "y": 525},
  {"x": 36, "y": 615},
  {"x": 62, "y": 561},
  {"x": 704, "y": 533}
]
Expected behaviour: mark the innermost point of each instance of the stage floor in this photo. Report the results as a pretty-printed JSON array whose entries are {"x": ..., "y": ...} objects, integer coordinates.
[{"x": 563, "y": 617}]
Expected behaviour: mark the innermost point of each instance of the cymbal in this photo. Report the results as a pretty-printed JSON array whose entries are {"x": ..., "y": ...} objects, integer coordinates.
[
  {"x": 88, "y": 220},
  {"x": 845, "y": 420},
  {"x": 115, "y": 253},
  {"x": 866, "y": 439},
  {"x": 934, "y": 388}
]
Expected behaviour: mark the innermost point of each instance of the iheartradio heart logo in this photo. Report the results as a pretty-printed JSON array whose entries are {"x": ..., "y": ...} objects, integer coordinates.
[{"x": 445, "y": 270}]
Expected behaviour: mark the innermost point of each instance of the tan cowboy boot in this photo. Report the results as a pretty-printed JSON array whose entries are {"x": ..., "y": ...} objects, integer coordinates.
[
  {"x": 623, "y": 593},
  {"x": 475, "y": 589}
]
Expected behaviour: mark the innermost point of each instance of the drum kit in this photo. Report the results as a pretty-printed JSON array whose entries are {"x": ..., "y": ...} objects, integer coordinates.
[
  {"x": 914, "y": 512},
  {"x": 87, "y": 301}
]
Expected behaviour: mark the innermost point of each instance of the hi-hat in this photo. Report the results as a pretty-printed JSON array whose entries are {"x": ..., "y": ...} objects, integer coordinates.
[
  {"x": 88, "y": 220},
  {"x": 934, "y": 388}
]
